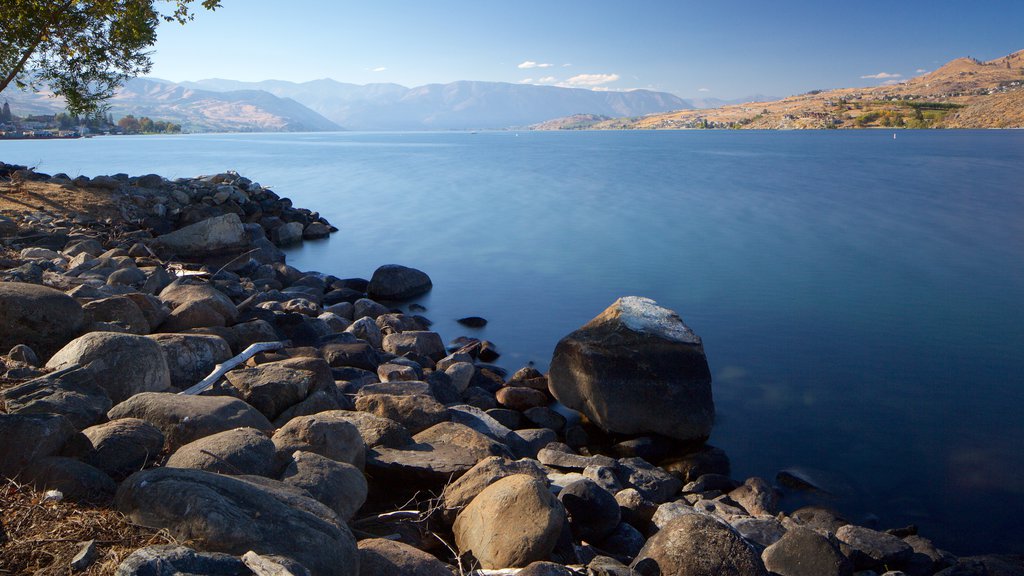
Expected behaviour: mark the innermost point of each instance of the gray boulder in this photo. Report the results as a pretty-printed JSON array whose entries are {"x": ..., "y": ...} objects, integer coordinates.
[
  {"x": 120, "y": 447},
  {"x": 30, "y": 437},
  {"x": 123, "y": 364},
  {"x": 75, "y": 479},
  {"x": 225, "y": 514},
  {"x": 418, "y": 343},
  {"x": 42, "y": 318},
  {"x": 184, "y": 291},
  {"x": 593, "y": 512},
  {"x": 218, "y": 235},
  {"x": 240, "y": 451},
  {"x": 340, "y": 486},
  {"x": 72, "y": 392},
  {"x": 191, "y": 357},
  {"x": 328, "y": 434},
  {"x": 511, "y": 523},
  {"x": 171, "y": 560},
  {"x": 271, "y": 388},
  {"x": 870, "y": 549},
  {"x": 699, "y": 545},
  {"x": 184, "y": 418},
  {"x": 415, "y": 412},
  {"x": 396, "y": 282},
  {"x": 636, "y": 368},
  {"x": 382, "y": 557},
  {"x": 461, "y": 492},
  {"x": 439, "y": 454},
  {"x": 804, "y": 552},
  {"x": 377, "y": 430},
  {"x": 119, "y": 310}
]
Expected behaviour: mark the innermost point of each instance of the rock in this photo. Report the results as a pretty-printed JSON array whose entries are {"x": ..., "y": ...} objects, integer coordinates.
[
  {"x": 123, "y": 364},
  {"x": 804, "y": 552},
  {"x": 634, "y": 508},
  {"x": 544, "y": 417},
  {"x": 570, "y": 461},
  {"x": 710, "y": 483},
  {"x": 152, "y": 308},
  {"x": 119, "y": 310},
  {"x": 73, "y": 393},
  {"x": 395, "y": 282},
  {"x": 8, "y": 227},
  {"x": 870, "y": 549},
  {"x": 365, "y": 307},
  {"x": 24, "y": 354},
  {"x": 459, "y": 493},
  {"x": 988, "y": 565},
  {"x": 533, "y": 440},
  {"x": 328, "y": 434},
  {"x": 366, "y": 329},
  {"x": 461, "y": 374},
  {"x": 30, "y": 437},
  {"x": 541, "y": 568},
  {"x": 218, "y": 235},
  {"x": 419, "y": 343},
  {"x": 315, "y": 231},
  {"x": 172, "y": 560},
  {"x": 416, "y": 412},
  {"x": 376, "y": 430},
  {"x": 757, "y": 497},
  {"x": 511, "y": 523},
  {"x": 225, "y": 514},
  {"x": 241, "y": 451},
  {"x": 604, "y": 476},
  {"x": 818, "y": 518},
  {"x": 636, "y": 368},
  {"x": 761, "y": 532},
  {"x": 287, "y": 234},
  {"x": 184, "y": 418},
  {"x": 75, "y": 479},
  {"x": 624, "y": 542},
  {"x": 191, "y": 315},
  {"x": 699, "y": 545},
  {"x": 480, "y": 421},
  {"x": 355, "y": 355},
  {"x": 381, "y": 557},
  {"x": 184, "y": 291},
  {"x": 521, "y": 398},
  {"x": 39, "y": 317},
  {"x": 652, "y": 482},
  {"x": 593, "y": 512},
  {"x": 121, "y": 447},
  {"x": 669, "y": 511},
  {"x": 191, "y": 357},
  {"x": 340, "y": 486},
  {"x": 437, "y": 456},
  {"x": 271, "y": 388},
  {"x": 85, "y": 557}
]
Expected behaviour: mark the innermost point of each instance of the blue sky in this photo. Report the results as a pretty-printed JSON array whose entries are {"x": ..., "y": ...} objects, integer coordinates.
[{"x": 722, "y": 49}]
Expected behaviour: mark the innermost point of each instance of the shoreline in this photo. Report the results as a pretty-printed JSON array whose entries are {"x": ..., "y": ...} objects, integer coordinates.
[{"x": 259, "y": 291}]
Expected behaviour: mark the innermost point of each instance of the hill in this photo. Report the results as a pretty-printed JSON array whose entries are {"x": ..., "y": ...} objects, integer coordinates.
[{"x": 965, "y": 93}]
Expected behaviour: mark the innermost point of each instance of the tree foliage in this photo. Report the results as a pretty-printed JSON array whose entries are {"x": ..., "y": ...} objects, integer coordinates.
[{"x": 82, "y": 50}]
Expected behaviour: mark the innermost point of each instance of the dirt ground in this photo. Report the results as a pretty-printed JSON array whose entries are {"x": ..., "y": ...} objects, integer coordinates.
[{"x": 26, "y": 197}]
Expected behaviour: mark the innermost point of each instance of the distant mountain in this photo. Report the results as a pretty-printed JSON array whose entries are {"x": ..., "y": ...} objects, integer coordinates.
[
  {"x": 456, "y": 106},
  {"x": 195, "y": 110},
  {"x": 705, "y": 103}
]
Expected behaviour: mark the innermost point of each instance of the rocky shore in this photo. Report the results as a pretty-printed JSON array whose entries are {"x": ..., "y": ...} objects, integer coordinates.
[{"x": 164, "y": 362}]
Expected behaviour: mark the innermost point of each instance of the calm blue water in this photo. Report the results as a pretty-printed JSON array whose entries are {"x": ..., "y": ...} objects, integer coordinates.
[{"x": 861, "y": 298}]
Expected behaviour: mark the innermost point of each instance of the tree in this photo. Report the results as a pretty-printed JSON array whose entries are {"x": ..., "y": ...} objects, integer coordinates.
[
  {"x": 82, "y": 50},
  {"x": 5, "y": 113},
  {"x": 130, "y": 124}
]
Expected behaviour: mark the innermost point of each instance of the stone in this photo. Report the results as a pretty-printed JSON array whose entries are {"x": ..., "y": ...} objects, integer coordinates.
[
  {"x": 376, "y": 430},
  {"x": 415, "y": 412},
  {"x": 184, "y": 418},
  {"x": 480, "y": 421},
  {"x": 624, "y": 542},
  {"x": 271, "y": 388},
  {"x": 545, "y": 417},
  {"x": 570, "y": 461},
  {"x": 593, "y": 511},
  {"x": 132, "y": 277},
  {"x": 75, "y": 479},
  {"x": 185, "y": 291},
  {"x": 438, "y": 455},
  {"x": 760, "y": 532},
  {"x": 635, "y": 509},
  {"x": 191, "y": 315},
  {"x": 152, "y": 308},
  {"x": 354, "y": 355},
  {"x": 533, "y": 440},
  {"x": 118, "y": 310},
  {"x": 542, "y": 568},
  {"x": 316, "y": 231},
  {"x": 419, "y": 343},
  {"x": 218, "y": 235},
  {"x": 669, "y": 511},
  {"x": 287, "y": 234},
  {"x": 123, "y": 364},
  {"x": 225, "y": 514},
  {"x": 85, "y": 557},
  {"x": 458, "y": 494},
  {"x": 340, "y": 486},
  {"x": 382, "y": 557},
  {"x": 328, "y": 434},
  {"x": 398, "y": 373},
  {"x": 42, "y": 318},
  {"x": 72, "y": 392},
  {"x": 173, "y": 560},
  {"x": 870, "y": 549},
  {"x": 699, "y": 545},
  {"x": 24, "y": 354},
  {"x": 652, "y": 482},
  {"x": 818, "y": 518},
  {"x": 511, "y": 523},
  {"x": 365, "y": 307},
  {"x": 30, "y": 437},
  {"x": 636, "y": 368},
  {"x": 252, "y": 332},
  {"x": 366, "y": 329},
  {"x": 461, "y": 374},
  {"x": 521, "y": 398},
  {"x": 191, "y": 357},
  {"x": 757, "y": 497},
  {"x": 604, "y": 476},
  {"x": 121, "y": 447},
  {"x": 396, "y": 282},
  {"x": 804, "y": 552},
  {"x": 242, "y": 451}
]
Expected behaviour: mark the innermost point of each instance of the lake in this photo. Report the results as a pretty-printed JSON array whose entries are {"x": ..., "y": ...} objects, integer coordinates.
[{"x": 860, "y": 296}]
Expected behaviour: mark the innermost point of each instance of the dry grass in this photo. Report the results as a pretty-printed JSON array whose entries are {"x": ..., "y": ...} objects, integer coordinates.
[
  {"x": 28, "y": 197},
  {"x": 41, "y": 538}
]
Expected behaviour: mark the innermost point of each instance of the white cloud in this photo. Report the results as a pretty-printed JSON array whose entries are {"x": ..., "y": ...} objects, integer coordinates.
[
  {"x": 544, "y": 80},
  {"x": 531, "y": 64},
  {"x": 920, "y": 70},
  {"x": 703, "y": 89},
  {"x": 882, "y": 76},
  {"x": 566, "y": 65},
  {"x": 526, "y": 81},
  {"x": 380, "y": 69},
  {"x": 591, "y": 80}
]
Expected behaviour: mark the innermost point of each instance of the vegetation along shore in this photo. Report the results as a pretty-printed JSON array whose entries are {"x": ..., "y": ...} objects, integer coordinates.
[{"x": 177, "y": 399}]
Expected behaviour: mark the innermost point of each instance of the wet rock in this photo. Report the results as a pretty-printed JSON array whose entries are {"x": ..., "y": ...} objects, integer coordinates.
[
  {"x": 869, "y": 549},
  {"x": 699, "y": 545},
  {"x": 328, "y": 434},
  {"x": 636, "y": 368},
  {"x": 818, "y": 518},
  {"x": 804, "y": 552},
  {"x": 123, "y": 364},
  {"x": 472, "y": 322},
  {"x": 234, "y": 452},
  {"x": 340, "y": 486},
  {"x": 120, "y": 447},
  {"x": 593, "y": 512},
  {"x": 75, "y": 479},
  {"x": 184, "y": 418},
  {"x": 73, "y": 393},
  {"x": 191, "y": 357},
  {"x": 39, "y": 317},
  {"x": 511, "y": 523},
  {"x": 396, "y": 282},
  {"x": 30, "y": 437},
  {"x": 381, "y": 557}
]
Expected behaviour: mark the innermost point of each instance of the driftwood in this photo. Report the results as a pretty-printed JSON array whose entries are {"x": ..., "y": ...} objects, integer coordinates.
[
  {"x": 261, "y": 566},
  {"x": 221, "y": 369}
]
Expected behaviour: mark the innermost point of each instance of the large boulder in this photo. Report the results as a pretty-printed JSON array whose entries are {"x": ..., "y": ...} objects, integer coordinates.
[
  {"x": 75, "y": 479},
  {"x": 30, "y": 437},
  {"x": 396, "y": 282},
  {"x": 225, "y": 514},
  {"x": 593, "y": 511},
  {"x": 416, "y": 412},
  {"x": 184, "y": 292},
  {"x": 636, "y": 368},
  {"x": 218, "y": 235},
  {"x": 438, "y": 455},
  {"x": 700, "y": 545},
  {"x": 340, "y": 486},
  {"x": 120, "y": 447},
  {"x": 272, "y": 388},
  {"x": 382, "y": 557},
  {"x": 72, "y": 392},
  {"x": 461, "y": 492},
  {"x": 184, "y": 418},
  {"x": 803, "y": 552},
  {"x": 119, "y": 310},
  {"x": 123, "y": 364},
  {"x": 511, "y": 523},
  {"x": 43, "y": 318},
  {"x": 328, "y": 434},
  {"x": 191, "y": 357},
  {"x": 232, "y": 452},
  {"x": 170, "y": 560}
]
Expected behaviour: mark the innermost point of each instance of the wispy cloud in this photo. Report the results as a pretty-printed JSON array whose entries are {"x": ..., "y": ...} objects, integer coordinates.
[
  {"x": 891, "y": 82},
  {"x": 531, "y": 64},
  {"x": 921, "y": 71},
  {"x": 591, "y": 80},
  {"x": 703, "y": 89},
  {"x": 543, "y": 80},
  {"x": 882, "y": 76},
  {"x": 380, "y": 69}
]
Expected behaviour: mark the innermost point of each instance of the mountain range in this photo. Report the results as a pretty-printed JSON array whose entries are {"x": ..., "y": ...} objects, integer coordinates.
[{"x": 218, "y": 105}]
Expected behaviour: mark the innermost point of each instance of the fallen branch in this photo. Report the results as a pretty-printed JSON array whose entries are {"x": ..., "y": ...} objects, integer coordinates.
[{"x": 221, "y": 369}]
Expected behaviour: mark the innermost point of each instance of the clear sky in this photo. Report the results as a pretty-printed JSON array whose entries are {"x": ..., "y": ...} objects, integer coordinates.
[{"x": 711, "y": 48}]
